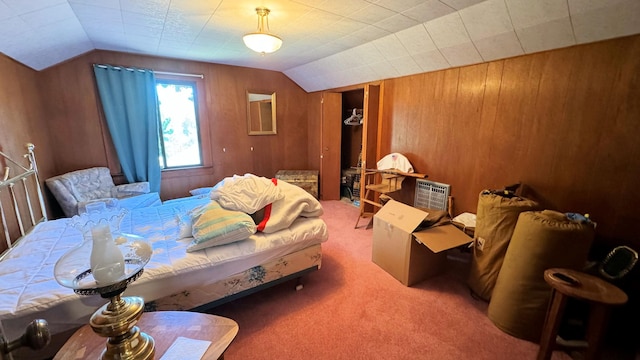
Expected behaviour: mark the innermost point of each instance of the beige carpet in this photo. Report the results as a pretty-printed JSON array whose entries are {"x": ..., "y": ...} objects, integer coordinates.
[{"x": 352, "y": 309}]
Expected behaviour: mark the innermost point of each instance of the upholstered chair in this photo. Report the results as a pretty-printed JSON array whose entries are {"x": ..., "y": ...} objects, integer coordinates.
[{"x": 77, "y": 190}]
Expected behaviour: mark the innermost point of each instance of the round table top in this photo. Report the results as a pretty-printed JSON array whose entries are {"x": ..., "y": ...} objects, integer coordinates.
[
  {"x": 586, "y": 287},
  {"x": 165, "y": 327}
]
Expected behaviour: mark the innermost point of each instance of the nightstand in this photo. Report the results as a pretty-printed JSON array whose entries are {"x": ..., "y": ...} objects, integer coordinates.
[{"x": 165, "y": 327}]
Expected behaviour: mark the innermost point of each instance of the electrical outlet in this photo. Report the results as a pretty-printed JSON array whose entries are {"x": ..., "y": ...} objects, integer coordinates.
[{"x": 480, "y": 243}]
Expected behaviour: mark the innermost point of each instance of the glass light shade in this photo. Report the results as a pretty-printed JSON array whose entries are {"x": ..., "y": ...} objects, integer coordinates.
[
  {"x": 105, "y": 257},
  {"x": 261, "y": 42},
  {"x": 73, "y": 269}
]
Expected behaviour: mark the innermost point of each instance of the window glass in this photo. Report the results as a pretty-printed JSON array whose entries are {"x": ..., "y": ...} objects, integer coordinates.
[{"x": 179, "y": 125}]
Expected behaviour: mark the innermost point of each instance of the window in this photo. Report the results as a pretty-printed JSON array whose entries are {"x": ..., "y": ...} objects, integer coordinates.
[{"x": 179, "y": 124}]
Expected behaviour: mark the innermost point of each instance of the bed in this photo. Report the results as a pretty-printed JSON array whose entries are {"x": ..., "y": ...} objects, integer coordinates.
[{"x": 183, "y": 274}]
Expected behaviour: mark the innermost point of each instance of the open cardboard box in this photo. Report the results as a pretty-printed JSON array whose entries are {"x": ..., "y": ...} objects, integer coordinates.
[{"x": 405, "y": 251}]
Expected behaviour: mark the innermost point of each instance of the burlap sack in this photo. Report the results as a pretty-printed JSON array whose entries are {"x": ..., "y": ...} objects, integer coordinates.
[
  {"x": 541, "y": 240},
  {"x": 495, "y": 220}
]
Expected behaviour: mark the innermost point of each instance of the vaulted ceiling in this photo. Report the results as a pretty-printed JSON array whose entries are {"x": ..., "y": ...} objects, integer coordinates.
[{"x": 327, "y": 43}]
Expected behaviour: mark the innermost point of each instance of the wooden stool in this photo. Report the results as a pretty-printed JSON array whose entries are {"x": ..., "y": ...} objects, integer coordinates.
[{"x": 600, "y": 294}]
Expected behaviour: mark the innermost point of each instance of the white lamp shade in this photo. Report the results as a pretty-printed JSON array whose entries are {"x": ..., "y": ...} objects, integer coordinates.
[{"x": 262, "y": 42}]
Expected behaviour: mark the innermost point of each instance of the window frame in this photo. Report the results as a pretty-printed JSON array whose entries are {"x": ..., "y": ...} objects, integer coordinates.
[{"x": 203, "y": 125}]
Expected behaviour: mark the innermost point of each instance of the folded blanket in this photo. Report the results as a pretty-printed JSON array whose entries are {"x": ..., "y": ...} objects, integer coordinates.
[
  {"x": 248, "y": 193},
  {"x": 277, "y": 202},
  {"x": 281, "y": 213}
]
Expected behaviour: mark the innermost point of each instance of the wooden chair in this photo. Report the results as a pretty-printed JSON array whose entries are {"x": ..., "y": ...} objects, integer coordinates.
[{"x": 378, "y": 184}]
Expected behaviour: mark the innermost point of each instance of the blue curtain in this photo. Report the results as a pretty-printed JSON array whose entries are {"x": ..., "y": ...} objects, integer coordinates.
[{"x": 130, "y": 106}]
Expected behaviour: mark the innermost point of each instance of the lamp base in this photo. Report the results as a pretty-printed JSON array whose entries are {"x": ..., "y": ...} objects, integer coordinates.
[
  {"x": 116, "y": 320},
  {"x": 137, "y": 345}
]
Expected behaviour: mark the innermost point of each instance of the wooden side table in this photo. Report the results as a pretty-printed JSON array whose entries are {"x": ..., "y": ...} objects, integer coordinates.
[
  {"x": 600, "y": 294},
  {"x": 165, "y": 327}
]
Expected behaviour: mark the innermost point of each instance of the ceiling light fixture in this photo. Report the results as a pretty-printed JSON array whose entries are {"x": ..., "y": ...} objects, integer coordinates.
[{"x": 262, "y": 41}]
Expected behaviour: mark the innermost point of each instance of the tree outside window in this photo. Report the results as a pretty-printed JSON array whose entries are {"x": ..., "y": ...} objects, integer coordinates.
[{"x": 179, "y": 124}]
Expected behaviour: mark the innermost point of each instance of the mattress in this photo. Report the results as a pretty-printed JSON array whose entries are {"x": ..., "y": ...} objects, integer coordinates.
[{"x": 29, "y": 290}]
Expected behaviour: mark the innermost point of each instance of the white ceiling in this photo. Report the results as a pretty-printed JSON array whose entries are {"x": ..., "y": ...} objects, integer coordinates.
[{"x": 327, "y": 43}]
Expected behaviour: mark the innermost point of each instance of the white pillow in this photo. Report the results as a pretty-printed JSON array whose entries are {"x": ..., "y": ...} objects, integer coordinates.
[
  {"x": 214, "y": 225},
  {"x": 200, "y": 191}
]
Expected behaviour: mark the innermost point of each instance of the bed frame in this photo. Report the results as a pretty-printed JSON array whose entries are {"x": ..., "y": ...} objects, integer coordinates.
[
  {"x": 206, "y": 297},
  {"x": 16, "y": 199},
  {"x": 20, "y": 192},
  {"x": 19, "y": 198}
]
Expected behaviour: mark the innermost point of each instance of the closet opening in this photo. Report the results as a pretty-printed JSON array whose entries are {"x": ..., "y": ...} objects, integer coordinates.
[{"x": 351, "y": 145}]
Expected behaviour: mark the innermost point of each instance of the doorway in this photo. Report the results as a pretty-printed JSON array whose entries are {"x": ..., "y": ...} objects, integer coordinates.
[
  {"x": 351, "y": 144},
  {"x": 348, "y": 141}
]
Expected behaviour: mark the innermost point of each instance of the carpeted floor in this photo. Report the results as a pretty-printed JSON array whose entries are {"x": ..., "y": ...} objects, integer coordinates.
[{"x": 352, "y": 309}]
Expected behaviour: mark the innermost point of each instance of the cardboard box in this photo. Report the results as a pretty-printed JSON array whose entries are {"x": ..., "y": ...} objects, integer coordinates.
[{"x": 405, "y": 251}]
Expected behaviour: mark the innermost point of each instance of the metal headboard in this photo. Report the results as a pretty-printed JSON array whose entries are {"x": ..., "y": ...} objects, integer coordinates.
[{"x": 28, "y": 172}]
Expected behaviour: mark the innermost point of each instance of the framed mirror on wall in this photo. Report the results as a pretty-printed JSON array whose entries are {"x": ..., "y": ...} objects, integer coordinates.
[{"x": 261, "y": 113}]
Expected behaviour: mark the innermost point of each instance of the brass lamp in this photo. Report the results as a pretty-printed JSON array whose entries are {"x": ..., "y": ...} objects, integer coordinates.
[{"x": 106, "y": 263}]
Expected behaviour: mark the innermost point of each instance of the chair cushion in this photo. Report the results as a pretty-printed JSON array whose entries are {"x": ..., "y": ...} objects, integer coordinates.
[
  {"x": 89, "y": 184},
  {"x": 126, "y": 190},
  {"x": 63, "y": 195}
]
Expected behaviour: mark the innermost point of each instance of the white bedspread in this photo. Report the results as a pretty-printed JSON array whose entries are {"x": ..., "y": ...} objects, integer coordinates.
[{"x": 28, "y": 289}]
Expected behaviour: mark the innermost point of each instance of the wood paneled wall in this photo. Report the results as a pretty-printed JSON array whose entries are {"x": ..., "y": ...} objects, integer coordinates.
[
  {"x": 561, "y": 122},
  {"x": 77, "y": 129},
  {"x": 21, "y": 122},
  {"x": 21, "y": 111},
  {"x": 564, "y": 123}
]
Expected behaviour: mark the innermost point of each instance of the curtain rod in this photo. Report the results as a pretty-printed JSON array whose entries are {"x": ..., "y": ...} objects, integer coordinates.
[
  {"x": 201, "y": 76},
  {"x": 179, "y": 74}
]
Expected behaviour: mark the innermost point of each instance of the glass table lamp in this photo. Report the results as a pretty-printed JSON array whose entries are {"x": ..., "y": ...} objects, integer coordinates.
[{"x": 105, "y": 263}]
